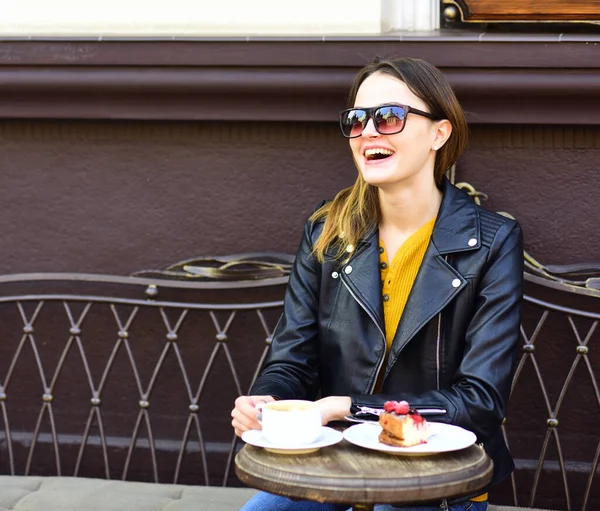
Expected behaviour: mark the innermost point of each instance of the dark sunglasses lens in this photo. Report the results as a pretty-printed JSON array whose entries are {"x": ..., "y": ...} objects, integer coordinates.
[
  {"x": 352, "y": 122},
  {"x": 389, "y": 119}
]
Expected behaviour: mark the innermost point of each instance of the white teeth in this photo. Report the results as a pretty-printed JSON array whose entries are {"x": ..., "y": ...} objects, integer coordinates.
[{"x": 378, "y": 150}]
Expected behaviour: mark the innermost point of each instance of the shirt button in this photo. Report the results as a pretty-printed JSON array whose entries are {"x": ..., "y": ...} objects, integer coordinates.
[
  {"x": 348, "y": 269},
  {"x": 386, "y": 298},
  {"x": 381, "y": 250},
  {"x": 335, "y": 274},
  {"x": 383, "y": 266},
  {"x": 456, "y": 283},
  {"x": 472, "y": 242}
]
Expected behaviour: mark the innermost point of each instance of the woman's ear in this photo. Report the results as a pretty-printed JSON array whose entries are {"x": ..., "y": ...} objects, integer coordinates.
[{"x": 443, "y": 129}]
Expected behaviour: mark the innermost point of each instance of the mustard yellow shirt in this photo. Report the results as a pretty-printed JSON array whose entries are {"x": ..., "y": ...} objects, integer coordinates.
[
  {"x": 398, "y": 276},
  {"x": 397, "y": 280}
]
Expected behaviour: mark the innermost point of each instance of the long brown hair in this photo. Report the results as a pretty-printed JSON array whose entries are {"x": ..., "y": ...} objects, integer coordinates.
[{"x": 355, "y": 210}]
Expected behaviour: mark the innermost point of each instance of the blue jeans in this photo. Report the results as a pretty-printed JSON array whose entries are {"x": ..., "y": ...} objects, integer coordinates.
[{"x": 268, "y": 502}]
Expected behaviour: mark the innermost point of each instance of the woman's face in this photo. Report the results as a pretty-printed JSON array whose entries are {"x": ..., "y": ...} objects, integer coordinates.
[{"x": 410, "y": 153}]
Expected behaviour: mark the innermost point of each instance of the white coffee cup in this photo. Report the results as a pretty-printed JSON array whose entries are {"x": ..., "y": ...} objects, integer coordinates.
[{"x": 290, "y": 422}]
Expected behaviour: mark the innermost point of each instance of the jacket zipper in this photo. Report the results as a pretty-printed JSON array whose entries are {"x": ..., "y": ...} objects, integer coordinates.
[
  {"x": 378, "y": 327},
  {"x": 437, "y": 353}
]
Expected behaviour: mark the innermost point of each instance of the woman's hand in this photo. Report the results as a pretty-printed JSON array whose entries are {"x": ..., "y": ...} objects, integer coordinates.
[
  {"x": 244, "y": 413},
  {"x": 334, "y": 408}
]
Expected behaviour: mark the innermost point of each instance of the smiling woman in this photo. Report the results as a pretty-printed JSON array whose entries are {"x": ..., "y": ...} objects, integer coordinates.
[
  {"x": 383, "y": 149},
  {"x": 403, "y": 288}
]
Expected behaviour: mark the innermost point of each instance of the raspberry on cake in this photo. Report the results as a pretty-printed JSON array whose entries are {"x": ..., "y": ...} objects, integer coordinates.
[{"x": 402, "y": 426}]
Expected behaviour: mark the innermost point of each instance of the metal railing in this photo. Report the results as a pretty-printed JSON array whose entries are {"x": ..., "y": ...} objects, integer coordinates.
[
  {"x": 554, "y": 410},
  {"x": 134, "y": 378},
  {"x": 95, "y": 375}
]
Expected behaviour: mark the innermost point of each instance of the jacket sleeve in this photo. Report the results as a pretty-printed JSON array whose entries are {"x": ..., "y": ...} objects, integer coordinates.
[
  {"x": 479, "y": 394},
  {"x": 291, "y": 368}
]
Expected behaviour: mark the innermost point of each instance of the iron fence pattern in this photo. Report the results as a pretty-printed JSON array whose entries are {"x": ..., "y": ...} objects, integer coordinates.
[{"x": 133, "y": 378}]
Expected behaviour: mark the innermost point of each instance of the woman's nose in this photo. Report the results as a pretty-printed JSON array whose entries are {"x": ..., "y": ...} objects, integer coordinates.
[{"x": 370, "y": 130}]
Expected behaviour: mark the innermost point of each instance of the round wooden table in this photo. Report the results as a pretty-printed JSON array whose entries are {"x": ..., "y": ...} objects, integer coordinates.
[{"x": 347, "y": 474}]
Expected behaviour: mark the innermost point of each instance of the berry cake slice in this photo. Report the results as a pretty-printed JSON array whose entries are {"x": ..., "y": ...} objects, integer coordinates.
[{"x": 402, "y": 426}]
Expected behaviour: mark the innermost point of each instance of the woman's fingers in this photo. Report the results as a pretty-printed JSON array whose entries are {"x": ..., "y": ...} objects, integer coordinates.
[
  {"x": 244, "y": 420},
  {"x": 244, "y": 413},
  {"x": 238, "y": 427}
]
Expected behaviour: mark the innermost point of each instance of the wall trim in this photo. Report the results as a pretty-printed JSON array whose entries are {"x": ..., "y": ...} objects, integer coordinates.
[{"x": 291, "y": 80}]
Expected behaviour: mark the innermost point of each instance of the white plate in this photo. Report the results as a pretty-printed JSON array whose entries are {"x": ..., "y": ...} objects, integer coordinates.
[
  {"x": 444, "y": 438},
  {"x": 327, "y": 437}
]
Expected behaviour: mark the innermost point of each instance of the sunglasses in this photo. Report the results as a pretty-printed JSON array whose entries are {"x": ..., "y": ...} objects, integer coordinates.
[{"x": 387, "y": 119}]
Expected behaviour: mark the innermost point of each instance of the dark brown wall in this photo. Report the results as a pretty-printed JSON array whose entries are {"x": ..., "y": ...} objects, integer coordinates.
[
  {"x": 118, "y": 196},
  {"x": 546, "y": 177},
  {"x": 123, "y": 155},
  {"x": 115, "y": 197}
]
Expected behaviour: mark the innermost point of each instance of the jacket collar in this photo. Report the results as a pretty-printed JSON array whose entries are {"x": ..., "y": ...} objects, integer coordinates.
[
  {"x": 457, "y": 222},
  {"x": 456, "y": 225},
  {"x": 456, "y": 229}
]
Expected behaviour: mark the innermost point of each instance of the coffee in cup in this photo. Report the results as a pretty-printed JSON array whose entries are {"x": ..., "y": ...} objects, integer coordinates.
[{"x": 290, "y": 422}]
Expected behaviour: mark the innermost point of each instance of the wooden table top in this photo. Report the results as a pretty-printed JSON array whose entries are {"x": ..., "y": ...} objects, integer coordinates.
[{"x": 346, "y": 473}]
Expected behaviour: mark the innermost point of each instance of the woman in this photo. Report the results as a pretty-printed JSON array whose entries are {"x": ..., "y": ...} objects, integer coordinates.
[{"x": 403, "y": 288}]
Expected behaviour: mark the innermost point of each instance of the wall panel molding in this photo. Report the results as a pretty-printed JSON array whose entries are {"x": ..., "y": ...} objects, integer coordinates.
[
  {"x": 482, "y": 136},
  {"x": 299, "y": 79},
  {"x": 537, "y": 137},
  {"x": 33, "y": 130}
]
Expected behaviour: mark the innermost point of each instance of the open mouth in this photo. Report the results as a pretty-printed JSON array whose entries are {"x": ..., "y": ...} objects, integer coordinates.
[{"x": 378, "y": 153}]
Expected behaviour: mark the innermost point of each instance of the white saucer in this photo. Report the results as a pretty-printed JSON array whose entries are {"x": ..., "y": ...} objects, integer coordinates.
[
  {"x": 327, "y": 437},
  {"x": 444, "y": 438}
]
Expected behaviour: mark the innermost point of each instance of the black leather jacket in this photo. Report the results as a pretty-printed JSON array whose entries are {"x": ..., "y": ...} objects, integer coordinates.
[{"x": 454, "y": 350}]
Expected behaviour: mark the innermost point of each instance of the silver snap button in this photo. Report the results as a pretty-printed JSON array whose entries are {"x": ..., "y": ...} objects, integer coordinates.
[
  {"x": 456, "y": 283},
  {"x": 472, "y": 242},
  {"x": 350, "y": 248},
  {"x": 348, "y": 269},
  {"x": 335, "y": 274}
]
